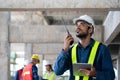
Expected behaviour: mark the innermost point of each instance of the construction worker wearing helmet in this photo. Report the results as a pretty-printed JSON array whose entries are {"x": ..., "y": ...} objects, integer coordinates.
[
  {"x": 18, "y": 74},
  {"x": 88, "y": 51},
  {"x": 30, "y": 71},
  {"x": 49, "y": 73},
  {"x": 85, "y": 19},
  {"x": 35, "y": 59}
]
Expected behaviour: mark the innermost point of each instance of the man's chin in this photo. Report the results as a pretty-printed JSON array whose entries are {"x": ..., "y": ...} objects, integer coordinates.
[
  {"x": 81, "y": 36},
  {"x": 78, "y": 36}
]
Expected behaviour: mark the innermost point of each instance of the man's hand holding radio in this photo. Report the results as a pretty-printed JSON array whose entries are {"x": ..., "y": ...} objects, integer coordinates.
[{"x": 68, "y": 39}]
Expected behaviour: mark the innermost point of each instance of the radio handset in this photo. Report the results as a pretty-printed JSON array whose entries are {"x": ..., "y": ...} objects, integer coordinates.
[{"x": 67, "y": 31}]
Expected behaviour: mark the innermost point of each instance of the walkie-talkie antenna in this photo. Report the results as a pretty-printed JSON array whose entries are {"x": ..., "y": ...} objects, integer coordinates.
[
  {"x": 65, "y": 26},
  {"x": 67, "y": 31}
]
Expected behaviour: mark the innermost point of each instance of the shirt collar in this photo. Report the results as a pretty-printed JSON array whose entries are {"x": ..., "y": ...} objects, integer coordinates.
[{"x": 89, "y": 45}]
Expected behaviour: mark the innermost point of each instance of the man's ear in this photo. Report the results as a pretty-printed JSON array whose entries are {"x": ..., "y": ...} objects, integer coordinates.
[{"x": 90, "y": 30}]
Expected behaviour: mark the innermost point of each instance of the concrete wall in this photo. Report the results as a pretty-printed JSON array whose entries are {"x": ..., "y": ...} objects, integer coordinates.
[
  {"x": 47, "y": 48},
  {"x": 44, "y": 34},
  {"x": 59, "y": 4}
]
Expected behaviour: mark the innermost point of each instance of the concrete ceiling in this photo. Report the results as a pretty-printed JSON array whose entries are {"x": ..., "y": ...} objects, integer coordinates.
[{"x": 54, "y": 16}]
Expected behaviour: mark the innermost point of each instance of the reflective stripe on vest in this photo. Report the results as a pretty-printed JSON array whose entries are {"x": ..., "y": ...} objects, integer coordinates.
[
  {"x": 49, "y": 77},
  {"x": 90, "y": 60}
]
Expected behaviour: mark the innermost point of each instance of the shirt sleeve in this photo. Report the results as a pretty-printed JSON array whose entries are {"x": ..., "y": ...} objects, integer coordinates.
[
  {"x": 62, "y": 63},
  {"x": 106, "y": 72},
  {"x": 16, "y": 76},
  {"x": 35, "y": 73}
]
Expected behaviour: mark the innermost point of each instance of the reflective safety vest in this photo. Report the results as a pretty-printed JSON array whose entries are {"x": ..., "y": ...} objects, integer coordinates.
[
  {"x": 49, "y": 77},
  {"x": 27, "y": 72},
  {"x": 20, "y": 74},
  {"x": 90, "y": 60}
]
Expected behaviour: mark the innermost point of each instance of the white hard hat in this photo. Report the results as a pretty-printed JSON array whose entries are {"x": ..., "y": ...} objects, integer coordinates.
[
  {"x": 46, "y": 62},
  {"x": 85, "y": 18}
]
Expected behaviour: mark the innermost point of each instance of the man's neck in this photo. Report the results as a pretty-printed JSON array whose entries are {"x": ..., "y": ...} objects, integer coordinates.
[
  {"x": 34, "y": 63},
  {"x": 85, "y": 41},
  {"x": 49, "y": 71}
]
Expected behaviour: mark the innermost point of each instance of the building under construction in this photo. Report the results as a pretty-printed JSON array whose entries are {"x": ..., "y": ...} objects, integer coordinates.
[{"x": 36, "y": 26}]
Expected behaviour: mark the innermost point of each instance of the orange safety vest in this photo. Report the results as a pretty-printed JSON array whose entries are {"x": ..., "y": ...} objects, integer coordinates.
[
  {"x": 20, "y": 74},
  {"x": 27, "y": 72}
]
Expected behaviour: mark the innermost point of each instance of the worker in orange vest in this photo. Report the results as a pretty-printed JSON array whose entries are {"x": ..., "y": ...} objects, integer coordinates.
[
  {"x": 30, "y": 71},
  {"x": 18, "y": 74}
]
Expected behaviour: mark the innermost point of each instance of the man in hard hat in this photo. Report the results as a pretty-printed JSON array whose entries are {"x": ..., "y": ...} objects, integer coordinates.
[
  {"x": 18, "y": 74},
  {"x": 49, "y": 74},
  {"x": 87, "y": 50},
  {"x": 30, "y": 71}
]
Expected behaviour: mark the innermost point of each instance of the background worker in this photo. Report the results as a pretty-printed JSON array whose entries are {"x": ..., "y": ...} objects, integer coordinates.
[
  {"x": 18, "y": 74},
  {"x": 49, "y": 73},
  {"x": 87, "y": 50},
  {"x": 30, "y": 71}
]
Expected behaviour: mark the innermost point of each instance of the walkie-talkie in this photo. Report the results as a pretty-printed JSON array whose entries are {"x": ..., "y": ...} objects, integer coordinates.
[{"x": 67, "y": 31}]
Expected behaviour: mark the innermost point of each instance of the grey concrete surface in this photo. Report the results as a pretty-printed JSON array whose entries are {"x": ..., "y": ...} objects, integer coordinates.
[
  {"x": 45, "y": 34},
  {"x": 47, "y": 48},
  {"x": 28, "y": 51},
  {"x": 59, "y": 4},
  {"x": 4, "y": 26},
  {"x": 4, "y": 47},
  {"x": 111, "y": 26}
]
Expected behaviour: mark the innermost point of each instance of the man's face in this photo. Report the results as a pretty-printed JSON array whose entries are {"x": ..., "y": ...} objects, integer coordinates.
[
  {"x": 36, "y": 61},
  {"x": 82, "y": 29}
]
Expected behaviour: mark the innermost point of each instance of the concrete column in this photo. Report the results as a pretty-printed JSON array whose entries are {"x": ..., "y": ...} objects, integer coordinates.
[
  {"x": 4, "y": 47},
  {"x": 118, "y": 65},
  {"x": 28, "y": 51},
  {"x": 40, "y": 66}
]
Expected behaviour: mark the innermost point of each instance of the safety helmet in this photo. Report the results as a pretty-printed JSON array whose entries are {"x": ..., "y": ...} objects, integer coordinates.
[
  {"x": 46, "y": 62},
  {"x": 35, "y": 56},
  {"x": 85, "y": 18}
]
